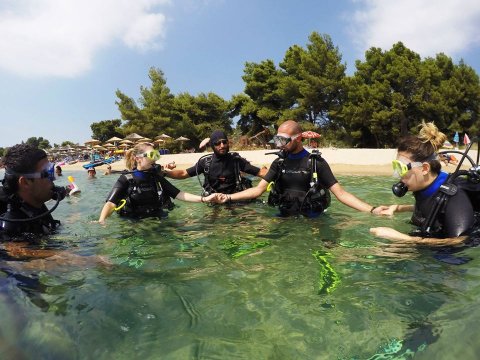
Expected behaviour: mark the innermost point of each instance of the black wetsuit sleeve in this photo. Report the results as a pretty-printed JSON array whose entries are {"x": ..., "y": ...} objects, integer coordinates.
[
  {"x": 199, "y": 166},
  {"x": 459, "y": 215},
  {"x": 325, "y": 174},
  {"x": 273, "y": 171},
  {"x": 168, "y": 188},
  {"x": 245, "y": 166},
  {"x": 119, "y": 190}
]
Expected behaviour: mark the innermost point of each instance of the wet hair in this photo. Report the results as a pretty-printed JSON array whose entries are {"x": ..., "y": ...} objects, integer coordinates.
[
  {"x": 22, "y": 159},
  {"x": 130, "y": 155},
  {"x": 424, "y": 146}
]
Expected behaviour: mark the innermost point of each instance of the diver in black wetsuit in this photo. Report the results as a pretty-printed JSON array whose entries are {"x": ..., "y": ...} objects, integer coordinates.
[
  {"x": 27, "y": 185},
  {"x": 222, "y": 169},
  {"x": 144, "y": 192},
  {"x": 442, "y": 219},
  {"x": 298, "y": 189}
]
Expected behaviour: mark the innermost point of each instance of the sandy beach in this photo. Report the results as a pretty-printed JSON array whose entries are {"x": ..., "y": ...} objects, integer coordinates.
[{"x": 362, "y": 162}]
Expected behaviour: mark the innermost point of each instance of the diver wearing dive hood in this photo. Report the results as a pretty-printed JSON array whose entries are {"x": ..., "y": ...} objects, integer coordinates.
[
  {"x": 301, "y": 181},
  {"x": 222, "y": 169},
  {"x": 27, "y": 185},
  {"x": 445, "y": 204}
]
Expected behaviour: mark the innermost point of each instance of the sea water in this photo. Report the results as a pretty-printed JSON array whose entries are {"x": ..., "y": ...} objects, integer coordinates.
[{"x": 216, "y": 282}]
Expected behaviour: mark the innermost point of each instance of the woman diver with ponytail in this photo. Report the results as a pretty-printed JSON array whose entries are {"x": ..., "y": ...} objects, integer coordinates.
[
  {"x": 143, "y": 191},
  {"x": 445, "y": 204}
]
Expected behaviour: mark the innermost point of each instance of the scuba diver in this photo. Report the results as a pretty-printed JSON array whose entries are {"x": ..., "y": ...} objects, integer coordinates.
[
  {"x": 143, "y": 191},
  {"x": 27, "y": 185},
  {"x": 446, "y": 205},
  {"x": 222, "y": 169},
  {"x": 300, "y": 182}
]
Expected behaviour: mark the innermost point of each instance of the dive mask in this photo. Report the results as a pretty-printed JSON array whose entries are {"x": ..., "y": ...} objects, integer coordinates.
[
  {"x": 280, "y": 140},
  {"x": 43, "y": 174},
  {"x": 153, "y": 155},
  {"x": 400, "y": 169}
]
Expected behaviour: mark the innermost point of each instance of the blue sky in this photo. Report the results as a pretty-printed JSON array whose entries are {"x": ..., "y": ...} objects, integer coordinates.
[{"x": 61, "y": 61}]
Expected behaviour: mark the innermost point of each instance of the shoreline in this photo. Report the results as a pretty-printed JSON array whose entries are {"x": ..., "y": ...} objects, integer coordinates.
[{"x": 362, "y": 162}]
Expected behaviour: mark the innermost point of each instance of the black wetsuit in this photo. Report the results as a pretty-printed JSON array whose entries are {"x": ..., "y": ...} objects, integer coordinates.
[
  {"x": 222, "y": 176},
  {"x": 15, "y": 208},
  {"x": 293, "y": 177},
  {"x": 457, "y": 217},
  {"x": 146, "y": 193}
]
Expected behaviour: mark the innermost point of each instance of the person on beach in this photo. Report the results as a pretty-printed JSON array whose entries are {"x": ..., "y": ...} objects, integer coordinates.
[
  {"x": 222, "y": 169},
  {"x": 143, "y": 191},
  {"x": 300, "y": 182},
  {"x": 58, "y": 170},
  {"x": 26, "y": 187},
  {"x": 440, "y": 222}
]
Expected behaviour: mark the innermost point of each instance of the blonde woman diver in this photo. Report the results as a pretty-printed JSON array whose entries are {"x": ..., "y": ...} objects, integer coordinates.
[
  {"x": 143, "y": 191},
  {"x": 420, "y": 171}
]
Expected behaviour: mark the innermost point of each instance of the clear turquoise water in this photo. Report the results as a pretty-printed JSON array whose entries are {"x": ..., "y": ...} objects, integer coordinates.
[{"x": 220, "y": 283}]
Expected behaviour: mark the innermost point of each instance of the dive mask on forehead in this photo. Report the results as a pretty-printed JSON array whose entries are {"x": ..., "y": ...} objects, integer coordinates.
[
  {"x": 280, "y": 140},
  {"x": 152, "y": 155}
]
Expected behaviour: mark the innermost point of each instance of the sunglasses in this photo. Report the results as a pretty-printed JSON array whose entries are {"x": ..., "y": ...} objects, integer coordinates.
[
  {"x": 401, "y": 169},
  {"x": 152, "y": 155},
  {"x": 222, "y": 141},
  {"x": 280, "y": 140}
]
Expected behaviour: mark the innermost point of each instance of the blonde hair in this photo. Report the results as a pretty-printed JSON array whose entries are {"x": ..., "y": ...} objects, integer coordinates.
[
  {"x": 429, "y": 133},
  {"x": 424, "y": 146},
  {"x": 130, "y": 161}
]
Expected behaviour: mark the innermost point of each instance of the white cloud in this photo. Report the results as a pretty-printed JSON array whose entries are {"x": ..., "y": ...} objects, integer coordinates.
[
  {"x": 424, "y": 26},
  {"x": 61, "y": 37}
]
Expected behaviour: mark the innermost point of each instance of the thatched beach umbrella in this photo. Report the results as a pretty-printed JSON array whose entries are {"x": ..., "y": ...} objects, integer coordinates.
[
  {"x": 92, "y": 142},
  {"x": 113, "y": 139},
  {"x": 163, "y": 136},
  {"x": 182, "y": 139},
  {"x": 134, "y": 137}
]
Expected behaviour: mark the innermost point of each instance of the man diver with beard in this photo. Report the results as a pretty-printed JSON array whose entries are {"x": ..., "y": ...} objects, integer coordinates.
[
  {"x": 222, "y": 170},
  {"x": 300, "y": 182}
]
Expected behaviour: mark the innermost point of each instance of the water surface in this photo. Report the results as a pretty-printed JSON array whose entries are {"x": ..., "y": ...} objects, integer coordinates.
[{"x": 236, "y": 283}]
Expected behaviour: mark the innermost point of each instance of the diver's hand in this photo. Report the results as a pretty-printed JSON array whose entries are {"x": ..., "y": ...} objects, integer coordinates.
[
  {"x": 384, "y": 210},
  {"x": 390, "y": 234},
  {"x": 210, "y": 198},
  {"x": 171, "y": 165},
  {"x": 388, "y": 210},
  {"x": 223, "y": 198}
]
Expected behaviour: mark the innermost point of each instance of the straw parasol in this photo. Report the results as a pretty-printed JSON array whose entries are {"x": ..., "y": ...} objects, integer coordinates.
[
  {"x": 144, "y": 140},
  {"x": 134, "y": 137},
  {"x": 92, "y": 142},
  {"x": 126, "y": 141},
  {"x": 114, "y": 139},
  {"x": 163, "y": 136}
]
